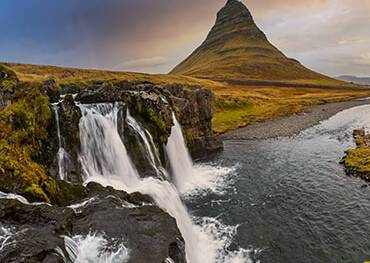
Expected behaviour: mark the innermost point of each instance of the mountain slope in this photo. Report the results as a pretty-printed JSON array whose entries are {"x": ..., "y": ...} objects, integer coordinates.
[{"x": 236, "y": 49}]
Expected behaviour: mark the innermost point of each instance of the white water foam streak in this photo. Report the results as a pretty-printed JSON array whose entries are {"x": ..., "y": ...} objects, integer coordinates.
[
  {"x": 94, "y": 248},
  {"x": 148, "y": 144},
  {"x": 62, "y": 154}
]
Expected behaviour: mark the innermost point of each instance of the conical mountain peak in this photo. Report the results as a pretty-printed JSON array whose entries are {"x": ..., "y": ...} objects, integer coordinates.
[
  {"x": 233, "y": 9},
  {"x": 236, "y": 49}
]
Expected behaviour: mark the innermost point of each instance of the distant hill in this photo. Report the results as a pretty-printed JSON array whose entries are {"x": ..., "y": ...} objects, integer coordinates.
[
  {"x": 354, "y": 79},
  {"x": 236, "y": 49}
]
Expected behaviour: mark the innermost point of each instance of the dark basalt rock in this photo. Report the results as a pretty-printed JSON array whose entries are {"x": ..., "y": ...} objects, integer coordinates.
[
  {"x": 69, "y": 118},
  {"x": 137, "y": 152},
  {"x": 149, "y": 233},
  {"x": 51, "y": 90},
  {"x": 194, "y": 108},
  {"x": 8, "y": 81}
]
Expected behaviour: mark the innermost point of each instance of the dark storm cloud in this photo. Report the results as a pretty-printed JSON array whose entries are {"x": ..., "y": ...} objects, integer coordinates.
[{"x": 154, "y": 35}]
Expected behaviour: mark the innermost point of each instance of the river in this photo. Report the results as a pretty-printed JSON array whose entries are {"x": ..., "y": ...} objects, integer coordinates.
[{"x": 290, "y": 197}]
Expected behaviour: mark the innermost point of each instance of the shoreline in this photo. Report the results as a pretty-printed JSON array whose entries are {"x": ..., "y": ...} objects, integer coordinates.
[{"x": 293, "y": 124}]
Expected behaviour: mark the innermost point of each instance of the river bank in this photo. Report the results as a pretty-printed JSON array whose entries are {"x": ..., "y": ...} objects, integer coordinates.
[{"x": 293, "y": 124}]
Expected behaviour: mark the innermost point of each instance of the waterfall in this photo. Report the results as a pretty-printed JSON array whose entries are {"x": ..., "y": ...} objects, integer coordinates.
[
  {"x": 189, "y": 178},
  {"x": 62, "y": 154},
  {"x": 103, "y": 154},
  {"x": 105, "y": 160},
  {"x": 180, "y": 160},
  {"x": 149, "y": 145}
]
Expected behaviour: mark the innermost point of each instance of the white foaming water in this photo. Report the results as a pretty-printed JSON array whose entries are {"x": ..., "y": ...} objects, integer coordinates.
[
  {"x": 224, "y": 235},
  {"x": 14, "y": 196},
  {"x": 5, "y": 237},
  {"x": 20, "y": 199},
  {"x": 105, "y": 160},
  {"x": 77, "y": 208},
  {"x": 103, "y": 152},
  {"x": 62, "y": 154},
  {"x": 148, "y": 144},
  {"x": 189, "y": 178},
  {"x": 94, "y": 248}
]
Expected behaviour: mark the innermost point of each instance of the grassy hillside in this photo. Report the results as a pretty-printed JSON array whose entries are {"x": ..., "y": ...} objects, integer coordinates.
[
  {"x": 63, "y": 75},
  {"x": 236, "y": 105},
  {"x": 239, "y": 106},
  {"x": 236, "y": 49}
]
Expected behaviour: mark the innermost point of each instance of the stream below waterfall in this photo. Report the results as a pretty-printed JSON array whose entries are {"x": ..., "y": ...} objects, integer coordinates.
[{"x": 291, "y": 198}]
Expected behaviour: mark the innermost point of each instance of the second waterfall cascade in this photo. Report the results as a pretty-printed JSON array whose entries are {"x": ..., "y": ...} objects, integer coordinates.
[{"x": 105, "y": 160}]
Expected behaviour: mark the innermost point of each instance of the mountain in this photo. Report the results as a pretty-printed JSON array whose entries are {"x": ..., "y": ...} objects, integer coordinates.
[
  {"x": 354, "y": 79},
  {"x": 236, "y": 49}
]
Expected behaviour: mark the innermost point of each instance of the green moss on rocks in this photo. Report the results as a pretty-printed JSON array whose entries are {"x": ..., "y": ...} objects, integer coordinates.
[
  {"x": 23, "y": 130},
  {"x": 154, "y": 113},
  {"x": 357, "y": 160},
  {"x": 8, "y": 78}
]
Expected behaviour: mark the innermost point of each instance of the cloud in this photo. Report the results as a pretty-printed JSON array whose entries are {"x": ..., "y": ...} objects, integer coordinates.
[
  {"x": 141, "y": 63},
  {"x": 153, "y": 36},
  {"x": 366, "y": 57}
]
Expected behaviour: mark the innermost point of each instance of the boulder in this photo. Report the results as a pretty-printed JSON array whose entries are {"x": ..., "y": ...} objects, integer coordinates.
[
  {"x": 35, "y": 232},
  {"x": 359, "y": 132}
]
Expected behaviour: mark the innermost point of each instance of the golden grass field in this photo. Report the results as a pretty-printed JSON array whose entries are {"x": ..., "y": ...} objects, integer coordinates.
[
  {"x": 236, "y": 105},
  {"x": 239, "y": 106}
]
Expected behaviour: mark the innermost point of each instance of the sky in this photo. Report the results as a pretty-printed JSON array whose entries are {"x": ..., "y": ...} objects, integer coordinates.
[{"x": 329, "y": 36}]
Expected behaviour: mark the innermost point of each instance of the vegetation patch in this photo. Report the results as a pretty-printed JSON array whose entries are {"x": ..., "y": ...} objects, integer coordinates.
[
  {"x": 239, "y": 106},
  {"x": 236, "y": 105},
  {"x": 23, "y": 132},
  {"x": 357, "y": 160}
]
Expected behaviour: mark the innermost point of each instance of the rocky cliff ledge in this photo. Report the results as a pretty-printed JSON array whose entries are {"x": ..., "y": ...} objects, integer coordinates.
[
  {"x": 357, "y": 160},
  {"x": 37, "y": 119},
  {"x": 153, "y": 106},
  {"x": 128, "y": 224}
]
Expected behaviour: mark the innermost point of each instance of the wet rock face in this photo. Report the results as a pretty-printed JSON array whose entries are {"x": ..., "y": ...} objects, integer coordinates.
[
  {"x": 194, "y": 108},
  {"x": 149, "y": 233},
  {"x": 69, "y": 118},
  {"x": 147, "y": 106}
]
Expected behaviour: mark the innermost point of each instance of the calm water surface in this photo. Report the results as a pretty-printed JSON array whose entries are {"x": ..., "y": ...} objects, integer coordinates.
[{"x": 291, "y": 197}]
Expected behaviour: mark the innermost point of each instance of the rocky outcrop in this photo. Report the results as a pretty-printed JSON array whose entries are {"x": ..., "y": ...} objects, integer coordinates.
[
  {"x": 29, "y": 167},
  {"x": 36, "y": 232},
  {"x": 153, "y": 104},
  {"x": 194, "y": 109},
  {"x": 356, "y": 161},
  {"x": 8, "y": 81},
  {"x": 69, "y": 118}
]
